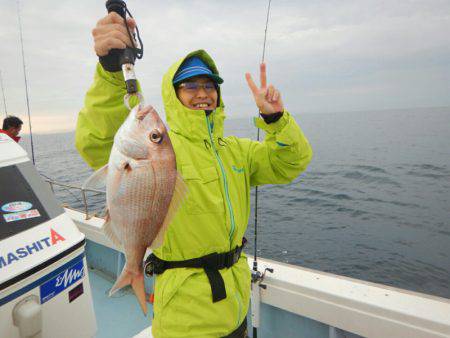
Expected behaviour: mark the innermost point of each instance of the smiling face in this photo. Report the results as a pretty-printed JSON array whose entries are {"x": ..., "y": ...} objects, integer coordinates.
[{"x": 202, "y": 96}]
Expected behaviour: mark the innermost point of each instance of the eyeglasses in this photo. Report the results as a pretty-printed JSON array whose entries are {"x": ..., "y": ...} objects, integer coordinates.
[{"x": 193, "y": 87}]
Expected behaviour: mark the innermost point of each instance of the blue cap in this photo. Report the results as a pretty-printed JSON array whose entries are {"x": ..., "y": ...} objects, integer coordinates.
[{"x": 194, "y": 66}]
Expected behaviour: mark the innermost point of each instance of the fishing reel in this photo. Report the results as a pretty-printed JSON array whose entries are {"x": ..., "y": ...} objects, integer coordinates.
[
  {"x": 258, "y": 277},
  {"x": 125, "y": 58}
]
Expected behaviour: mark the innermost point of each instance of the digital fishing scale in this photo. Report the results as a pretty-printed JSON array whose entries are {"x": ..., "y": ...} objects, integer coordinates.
[{"x": 127, "y": 57}]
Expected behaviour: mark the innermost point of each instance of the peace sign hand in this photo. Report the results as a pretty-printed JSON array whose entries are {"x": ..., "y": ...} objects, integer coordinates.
[{"x": 268, "y": 99}]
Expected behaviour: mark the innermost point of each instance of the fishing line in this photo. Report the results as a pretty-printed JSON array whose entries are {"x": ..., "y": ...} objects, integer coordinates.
[
  {"x": 26, "y": 82},
  {"x": 255, "y": 264},
  {"x": 3, "y": 92}
]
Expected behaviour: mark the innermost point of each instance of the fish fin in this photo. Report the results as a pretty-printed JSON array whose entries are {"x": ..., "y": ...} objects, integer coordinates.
[
  {"x": 97, "y": 180},
  {"x": 137, "y": 283},
  {"x": 179, "y": 194},
  {"x": 109, "y": 231}
]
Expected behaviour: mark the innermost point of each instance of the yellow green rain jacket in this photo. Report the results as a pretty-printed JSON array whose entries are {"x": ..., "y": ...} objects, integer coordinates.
[{"x": 219, "y": 172}]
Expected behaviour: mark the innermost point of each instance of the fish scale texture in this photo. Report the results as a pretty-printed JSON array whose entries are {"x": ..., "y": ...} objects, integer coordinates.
[{"x": 140, "y": 206}]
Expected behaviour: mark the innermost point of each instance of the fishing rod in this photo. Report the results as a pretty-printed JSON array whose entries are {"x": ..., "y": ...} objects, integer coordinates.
[
  {"x": 3, "y": 92},
  {"x": 127, "y": 57},
  {"x": 257, "y": 276},
  {"x": 26, "y": 83}
]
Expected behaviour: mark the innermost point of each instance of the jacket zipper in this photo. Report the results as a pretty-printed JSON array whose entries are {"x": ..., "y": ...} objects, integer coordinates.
[
  {"x": 225, "y": 182},
  {"x": 230, "y": 208}
]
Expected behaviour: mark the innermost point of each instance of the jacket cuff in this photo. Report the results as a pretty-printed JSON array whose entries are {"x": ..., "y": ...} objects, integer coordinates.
[
  {"x": 273, "y": 127},
  {"x": 110, "y": 62},
  {"x": 271, "y": 118}
]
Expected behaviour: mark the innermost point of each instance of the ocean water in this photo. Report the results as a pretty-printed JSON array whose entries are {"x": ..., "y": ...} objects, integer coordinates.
[{"x": 374, "y": 204}]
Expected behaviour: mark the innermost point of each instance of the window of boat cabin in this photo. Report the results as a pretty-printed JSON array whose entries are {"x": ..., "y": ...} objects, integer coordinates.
[{"x": 20, "y": 208}]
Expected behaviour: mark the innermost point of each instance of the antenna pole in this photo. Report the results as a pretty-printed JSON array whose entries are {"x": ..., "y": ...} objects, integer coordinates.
[{"x": 26, "y": 82}]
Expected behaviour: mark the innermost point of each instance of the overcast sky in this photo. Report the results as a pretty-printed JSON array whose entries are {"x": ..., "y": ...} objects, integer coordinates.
[{"x": 324, "y": 56}]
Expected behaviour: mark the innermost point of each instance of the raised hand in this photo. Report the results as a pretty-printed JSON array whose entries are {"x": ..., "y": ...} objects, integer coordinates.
[
  {"x": 111, "y": 32},
  {"x": 268, "y": 99}
]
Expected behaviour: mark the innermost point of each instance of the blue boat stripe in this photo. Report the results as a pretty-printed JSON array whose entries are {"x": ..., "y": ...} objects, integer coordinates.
[
  {"x": 42, "y": 266},
  {"x": 41, "y": 280}
]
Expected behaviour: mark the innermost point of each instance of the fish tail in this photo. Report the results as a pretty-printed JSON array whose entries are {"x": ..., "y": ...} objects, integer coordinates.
[{"x": 136, "y": 280}]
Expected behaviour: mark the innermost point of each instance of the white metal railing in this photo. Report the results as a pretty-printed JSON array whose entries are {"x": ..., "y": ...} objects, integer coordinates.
[{"x": 83, "y": 194}]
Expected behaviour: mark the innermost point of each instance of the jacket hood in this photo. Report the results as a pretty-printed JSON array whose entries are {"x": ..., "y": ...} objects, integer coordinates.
[{"x": 188, "y": 122}]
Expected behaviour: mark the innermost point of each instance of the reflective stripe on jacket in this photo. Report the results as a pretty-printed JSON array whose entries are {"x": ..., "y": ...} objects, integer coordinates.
[{"x": 219, "y": 172}]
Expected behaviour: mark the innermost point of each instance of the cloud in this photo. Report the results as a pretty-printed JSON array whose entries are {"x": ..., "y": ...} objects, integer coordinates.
[
  {"x": 323, "y": 55},
  {"x": 43, "y": 123}
]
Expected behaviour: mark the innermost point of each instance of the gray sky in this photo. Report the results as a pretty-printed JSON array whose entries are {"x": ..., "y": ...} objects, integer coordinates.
[{"x": 324, "y": 56}]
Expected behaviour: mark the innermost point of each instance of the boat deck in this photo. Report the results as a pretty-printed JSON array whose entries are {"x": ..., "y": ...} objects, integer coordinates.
[{"x": 119, "y": 316}]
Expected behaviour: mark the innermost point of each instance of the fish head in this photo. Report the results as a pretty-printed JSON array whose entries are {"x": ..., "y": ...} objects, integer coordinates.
[{"x": 143, "y": 135}]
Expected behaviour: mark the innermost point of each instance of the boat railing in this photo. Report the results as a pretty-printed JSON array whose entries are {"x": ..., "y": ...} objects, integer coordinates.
[
  {"x": 349, "y": 307},
  {"x": 84, "y": 196}
]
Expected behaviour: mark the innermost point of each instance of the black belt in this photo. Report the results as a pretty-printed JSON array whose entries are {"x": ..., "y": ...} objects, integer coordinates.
[{"x": 211, "y": 263}]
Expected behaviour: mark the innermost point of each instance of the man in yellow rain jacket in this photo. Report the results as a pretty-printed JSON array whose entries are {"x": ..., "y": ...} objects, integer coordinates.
[{"x": 218, "y": 170}]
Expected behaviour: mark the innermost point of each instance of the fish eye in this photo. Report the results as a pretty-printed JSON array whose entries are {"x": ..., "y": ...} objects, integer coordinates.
[{"x": 155, "y": 136}]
